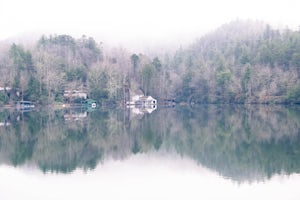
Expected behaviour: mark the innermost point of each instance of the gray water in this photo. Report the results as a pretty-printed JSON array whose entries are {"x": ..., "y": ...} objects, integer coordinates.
[{"x": 202, "y": 152}]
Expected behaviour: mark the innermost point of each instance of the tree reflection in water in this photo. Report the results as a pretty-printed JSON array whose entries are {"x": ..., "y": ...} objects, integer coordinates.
[{"x": 243, "y": 143}]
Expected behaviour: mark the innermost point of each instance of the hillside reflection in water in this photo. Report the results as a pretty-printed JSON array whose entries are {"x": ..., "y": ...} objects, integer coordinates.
[{"x": 242, "y": 144}]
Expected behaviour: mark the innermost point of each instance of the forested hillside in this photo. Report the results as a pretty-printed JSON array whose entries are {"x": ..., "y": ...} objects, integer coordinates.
[
  {"x": 58, "y": 63},
  {"x": 241, "y": 62}
]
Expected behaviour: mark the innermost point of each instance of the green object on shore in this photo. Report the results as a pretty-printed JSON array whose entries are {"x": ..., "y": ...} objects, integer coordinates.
[{"x": 90, "y": 103}]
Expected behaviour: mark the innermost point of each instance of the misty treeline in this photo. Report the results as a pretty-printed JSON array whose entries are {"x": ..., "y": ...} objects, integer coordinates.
[
  {"x": 241, "y": 62},
  {"x": 58, "y": 63}
]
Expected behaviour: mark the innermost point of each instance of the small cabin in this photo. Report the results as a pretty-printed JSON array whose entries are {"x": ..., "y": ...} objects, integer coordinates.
[
  {"x": 5, "y": 88},
  {"x": 73, "y": 94}
]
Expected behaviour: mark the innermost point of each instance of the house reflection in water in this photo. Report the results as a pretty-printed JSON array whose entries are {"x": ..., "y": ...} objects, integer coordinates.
[
  {"x": 140, "y": 110},
  {"x": 141, "y": 104},
  {"x": 4, "y": 124},
  {"x": 72, "y": 115},
  {"x": 25, "y": 105}
]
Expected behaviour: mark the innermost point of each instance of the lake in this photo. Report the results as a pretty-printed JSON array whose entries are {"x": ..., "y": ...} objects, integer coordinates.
[{"x": 198, "y": 152}]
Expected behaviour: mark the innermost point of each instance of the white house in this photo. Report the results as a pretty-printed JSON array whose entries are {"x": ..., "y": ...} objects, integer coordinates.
[{"x": 142, "y": 100}]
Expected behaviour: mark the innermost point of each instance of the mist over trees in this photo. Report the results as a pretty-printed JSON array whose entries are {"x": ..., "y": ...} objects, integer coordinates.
[{"x": 240, "y": 62}]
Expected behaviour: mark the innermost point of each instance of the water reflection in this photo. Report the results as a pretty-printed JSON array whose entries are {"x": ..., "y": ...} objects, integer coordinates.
[
  {"x": 241, "y": 143},
  {"x": 141, "y": 176}
]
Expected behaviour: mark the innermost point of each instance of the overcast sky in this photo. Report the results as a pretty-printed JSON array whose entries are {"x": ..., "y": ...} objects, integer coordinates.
[{"x": 138, "y": 20}]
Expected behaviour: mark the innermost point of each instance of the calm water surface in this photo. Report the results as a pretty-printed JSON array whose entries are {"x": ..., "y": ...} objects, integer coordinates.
[{"x": 203, "y": 152}]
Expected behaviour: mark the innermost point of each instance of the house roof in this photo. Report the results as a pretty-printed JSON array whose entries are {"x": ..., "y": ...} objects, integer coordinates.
[{"x": 149, "y": 98}]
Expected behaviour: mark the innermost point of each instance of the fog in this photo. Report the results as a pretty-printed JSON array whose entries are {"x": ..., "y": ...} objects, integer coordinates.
[{"x": 133, "y": 23}]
